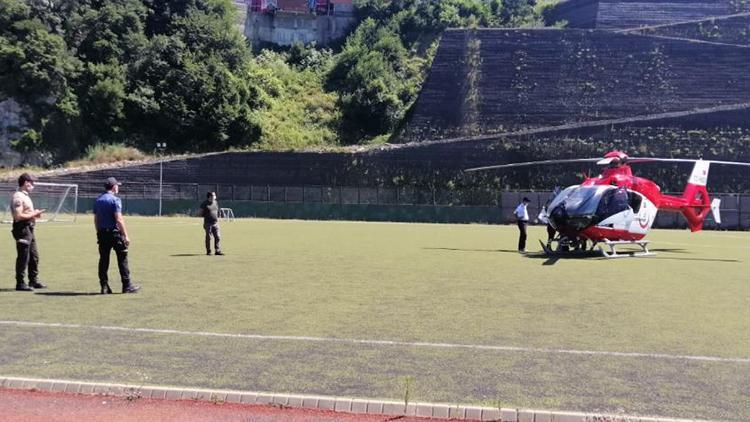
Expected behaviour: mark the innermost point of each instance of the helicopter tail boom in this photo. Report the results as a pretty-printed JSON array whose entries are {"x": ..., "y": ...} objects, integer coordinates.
[{"x": 695, "y": 203}]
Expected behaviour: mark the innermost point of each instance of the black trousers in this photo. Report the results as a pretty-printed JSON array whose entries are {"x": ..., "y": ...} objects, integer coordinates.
[
  {"x": 212, "y": 230},
  {"x": 27, "y": 254},
  {"x": 522, "y": 235},
  {"x": 108, "y": 240},
  {"x": 550, "y": 233}
]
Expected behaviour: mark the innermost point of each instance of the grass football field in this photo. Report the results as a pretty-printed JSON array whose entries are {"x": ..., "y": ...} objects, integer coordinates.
[{"x": 365, "y": 309}]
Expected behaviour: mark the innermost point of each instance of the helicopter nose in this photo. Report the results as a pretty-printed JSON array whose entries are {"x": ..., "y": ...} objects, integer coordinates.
[{"x": 565, "y": 223}]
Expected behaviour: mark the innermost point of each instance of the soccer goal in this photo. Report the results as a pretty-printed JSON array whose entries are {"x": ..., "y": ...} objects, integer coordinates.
[
  {"x": 59, "y": 199},
  {"x": 226, "y": 213}
]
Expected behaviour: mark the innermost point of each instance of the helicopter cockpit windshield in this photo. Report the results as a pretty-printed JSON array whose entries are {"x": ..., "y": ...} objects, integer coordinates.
[{"x": 579, "y": 206}]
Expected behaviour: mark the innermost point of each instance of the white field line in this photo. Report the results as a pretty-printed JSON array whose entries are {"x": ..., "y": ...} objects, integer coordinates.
[{"x": 418, "y": 344}]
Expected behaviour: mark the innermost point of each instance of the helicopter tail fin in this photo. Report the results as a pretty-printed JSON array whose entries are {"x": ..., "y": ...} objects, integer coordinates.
[
  {"x": 697, "y": 202},
  {"x": 715, "y": 208}
]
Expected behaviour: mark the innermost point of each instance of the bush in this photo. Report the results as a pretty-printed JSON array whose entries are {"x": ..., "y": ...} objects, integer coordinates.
[
  {"x": 108, "y": 153},
  {"x": 294, "y": 110}
]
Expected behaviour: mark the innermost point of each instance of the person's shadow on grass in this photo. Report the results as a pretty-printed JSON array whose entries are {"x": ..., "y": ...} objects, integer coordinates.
[
  {"x": 472, "y": 250},
  {"x": 68, "y": 293},
  {"x": 37, "y": 292},
  {"x": 187, "y": 254}
]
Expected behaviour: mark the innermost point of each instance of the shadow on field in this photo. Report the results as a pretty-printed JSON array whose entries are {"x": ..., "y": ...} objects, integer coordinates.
[
  {"x": 552, "y": 259},
  {"x": 7, "y": 290},
  {"x": 187, "y": 254},
  {"x": 68, "y": 293},
  {"x": 684, "y": 251},
  {"x": 670, "y": 250},
  {"x": 472, "y": 250},
  {"x": 697, "y": 259}
]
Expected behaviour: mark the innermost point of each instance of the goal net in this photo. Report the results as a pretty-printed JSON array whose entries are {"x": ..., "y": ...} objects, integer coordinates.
[{"x": 59, "y": 199}]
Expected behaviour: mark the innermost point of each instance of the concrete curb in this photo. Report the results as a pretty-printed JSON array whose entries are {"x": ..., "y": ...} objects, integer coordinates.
[{"x": 337, "y": 404}]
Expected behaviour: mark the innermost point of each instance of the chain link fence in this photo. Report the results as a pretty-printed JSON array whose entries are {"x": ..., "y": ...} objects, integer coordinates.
[{"x": 735, "y": 208}]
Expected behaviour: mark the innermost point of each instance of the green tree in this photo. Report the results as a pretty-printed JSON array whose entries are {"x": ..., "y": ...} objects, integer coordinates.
[{"x": 35, "y": 69}]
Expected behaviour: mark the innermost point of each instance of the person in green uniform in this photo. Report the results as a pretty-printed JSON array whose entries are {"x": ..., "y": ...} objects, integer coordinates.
[{"x": 209, "y": 210}]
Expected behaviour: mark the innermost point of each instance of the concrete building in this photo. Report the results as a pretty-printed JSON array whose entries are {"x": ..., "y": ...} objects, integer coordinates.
[{"x": 285, "y": 22}]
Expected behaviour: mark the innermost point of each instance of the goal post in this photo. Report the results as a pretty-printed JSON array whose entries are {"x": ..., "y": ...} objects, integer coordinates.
[
  {"x": 60, "y": 200},
  {"x": 226, "y": 213}
]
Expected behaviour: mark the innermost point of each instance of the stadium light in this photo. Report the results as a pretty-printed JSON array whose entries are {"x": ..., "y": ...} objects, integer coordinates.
[{"x": 161, "y": 146}]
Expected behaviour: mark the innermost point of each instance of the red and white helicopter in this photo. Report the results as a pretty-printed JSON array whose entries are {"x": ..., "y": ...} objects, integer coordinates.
[{"x": 617, "y": 208}]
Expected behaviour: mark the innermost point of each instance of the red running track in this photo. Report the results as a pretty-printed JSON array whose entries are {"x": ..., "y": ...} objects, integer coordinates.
[{"x": 36, "y": 406}]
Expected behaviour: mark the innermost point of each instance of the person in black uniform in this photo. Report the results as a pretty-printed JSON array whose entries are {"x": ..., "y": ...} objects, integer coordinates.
[
  {"x": 24, "y": 219},
  {"x": 209, "y": 210},
  {"x": 111, "y": 233}
]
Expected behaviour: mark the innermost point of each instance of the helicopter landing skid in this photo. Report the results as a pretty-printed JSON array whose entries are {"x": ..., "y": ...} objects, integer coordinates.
[
  {"x": 612, "y": 252},
  {"x": 566, "y": 248},
  {"x": 547, "y": 250}
]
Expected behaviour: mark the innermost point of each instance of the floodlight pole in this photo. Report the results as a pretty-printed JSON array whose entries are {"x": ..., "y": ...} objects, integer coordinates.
[
  {"x": 161, "y": 178},
  {"x": 161, "y": 146}
]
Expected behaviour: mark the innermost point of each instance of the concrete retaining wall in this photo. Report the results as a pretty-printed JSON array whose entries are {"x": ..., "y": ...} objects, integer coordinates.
[
  {"x": 535, "y": 78},
  {"x": 619, "y": 14}
]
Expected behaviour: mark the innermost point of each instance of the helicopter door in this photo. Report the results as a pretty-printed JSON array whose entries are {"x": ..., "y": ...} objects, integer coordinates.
[
  {"x": 614, "y": 210},
  {"x": 644, "y": 215}
]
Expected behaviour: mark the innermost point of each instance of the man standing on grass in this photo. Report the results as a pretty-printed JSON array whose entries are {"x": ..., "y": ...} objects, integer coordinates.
[
  {"x": 522, "y": 217},
  {"x": 111, "y": 233},
  {"x": 209, "y": 210},
  {"x": 24, "y": 219}
]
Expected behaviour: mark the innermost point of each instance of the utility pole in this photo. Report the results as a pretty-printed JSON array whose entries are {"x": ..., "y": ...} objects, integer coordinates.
[{"x": 160, "y": 147}]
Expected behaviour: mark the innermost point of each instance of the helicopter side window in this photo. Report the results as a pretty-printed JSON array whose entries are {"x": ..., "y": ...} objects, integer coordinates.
[
  {"x": 612, "y": 202},
  {"x": 635, "y": 200}
]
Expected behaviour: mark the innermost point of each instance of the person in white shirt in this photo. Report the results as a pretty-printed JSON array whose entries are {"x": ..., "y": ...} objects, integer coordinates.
[{"x": 522, "y": 217}]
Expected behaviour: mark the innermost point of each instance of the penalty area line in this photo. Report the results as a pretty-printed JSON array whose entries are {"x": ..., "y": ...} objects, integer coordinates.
[{"x": 396, "y": 343}]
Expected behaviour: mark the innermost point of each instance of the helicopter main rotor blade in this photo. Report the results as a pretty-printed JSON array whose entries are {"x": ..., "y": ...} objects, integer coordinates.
[
  {"x": 633, "y": 160},
  {"x": 630, "y": 160},
  {"x": 535, "y": 163}
]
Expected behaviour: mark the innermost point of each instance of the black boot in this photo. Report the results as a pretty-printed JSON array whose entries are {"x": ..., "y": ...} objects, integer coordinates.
[
  {"x": 105, "y": 288},
  {"x": 131, "y": 288},
  {"x": 37, "y": 285},
  {"x": 23, "y": 287}
]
